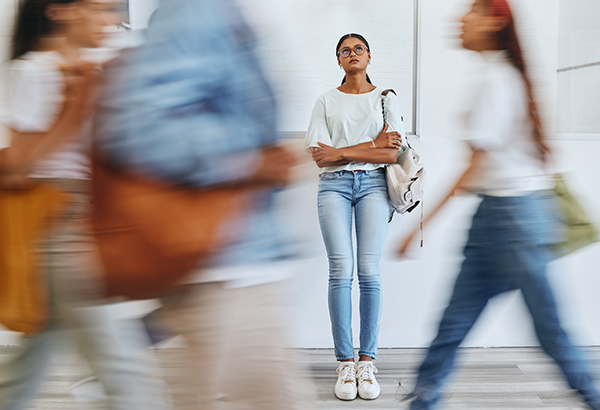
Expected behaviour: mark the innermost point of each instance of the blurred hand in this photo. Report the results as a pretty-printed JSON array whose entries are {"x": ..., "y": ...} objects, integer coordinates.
[
  {"x": 14, "y": 181},
  {"x": 9, "y": 177},
  {"x": 402, "y": 250},
  {"x": 388, "y": 139},
  {"x": 81, "y": 85},
  {"x": 275, "y": 166},
  {"x": 326, "y": 156}
]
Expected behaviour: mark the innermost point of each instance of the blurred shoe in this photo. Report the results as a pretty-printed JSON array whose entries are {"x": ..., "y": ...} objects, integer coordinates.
[
  {"x": 87, "y": 390},
  {"x": 368, "y": 388},
  {"x": 345, "y": 387},
  {"x": 157, "y": 328}
]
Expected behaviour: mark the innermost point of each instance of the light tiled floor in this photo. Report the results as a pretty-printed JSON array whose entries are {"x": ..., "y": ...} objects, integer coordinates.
[
  {"x": 512, "y": 378},
  {"x": 500, "y": 378}
]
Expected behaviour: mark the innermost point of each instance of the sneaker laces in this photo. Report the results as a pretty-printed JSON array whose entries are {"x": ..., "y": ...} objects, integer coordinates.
[
  {"x": 347, "y": 373},
  {"x": 366, "y": 372}
]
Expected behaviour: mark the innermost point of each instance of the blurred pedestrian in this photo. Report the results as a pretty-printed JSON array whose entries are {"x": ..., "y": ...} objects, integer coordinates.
[
  {"x": 508, "y": 241},
  {"x": 51, "y": 95},
  {"x": 351, "y": 144},
  {"x": 191, "y": 106}
]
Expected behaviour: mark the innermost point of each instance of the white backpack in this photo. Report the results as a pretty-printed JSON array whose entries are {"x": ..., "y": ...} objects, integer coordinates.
[{"x": 405, "y": 178}]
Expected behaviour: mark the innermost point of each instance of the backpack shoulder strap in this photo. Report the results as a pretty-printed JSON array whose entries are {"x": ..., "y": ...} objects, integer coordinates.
[{"x": 383, "y": 94}]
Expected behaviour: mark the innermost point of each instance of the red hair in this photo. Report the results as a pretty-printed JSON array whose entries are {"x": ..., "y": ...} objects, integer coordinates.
[
  {"x": 499, "y": 8},
  {"x": 507, "y": 40}
]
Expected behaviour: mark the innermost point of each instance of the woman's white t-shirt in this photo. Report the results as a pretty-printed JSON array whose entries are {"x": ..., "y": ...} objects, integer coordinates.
[
  {"x": 342, "y": 120},
  {"x": 500, "y": 127},
  {"x": 35, "y": 100}
]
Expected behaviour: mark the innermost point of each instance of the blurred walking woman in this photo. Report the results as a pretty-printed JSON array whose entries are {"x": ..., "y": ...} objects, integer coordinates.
[
  {"x": 350, "y": 143},
  {"x": 507, "y": 245},
  {"x": 50, "y": 95}
]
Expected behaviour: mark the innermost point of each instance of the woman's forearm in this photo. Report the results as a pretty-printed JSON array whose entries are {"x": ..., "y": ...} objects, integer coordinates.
[
  {"x": 26, "y": 149},
  {"x": 464, "y": 182},
  {"x": 369, "y": 154}
]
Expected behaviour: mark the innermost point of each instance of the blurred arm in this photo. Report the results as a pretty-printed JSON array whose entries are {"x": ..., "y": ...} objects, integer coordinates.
[
  {"x": 28, "y": 147},
  {"x": 464, "y": 182}
]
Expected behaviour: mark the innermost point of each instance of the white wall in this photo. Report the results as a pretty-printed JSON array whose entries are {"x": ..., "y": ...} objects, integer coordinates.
[
  {"x": 415, "y": 291},
  {"x": 298, "y": 49},
  {"x": 579, "y": 90}
]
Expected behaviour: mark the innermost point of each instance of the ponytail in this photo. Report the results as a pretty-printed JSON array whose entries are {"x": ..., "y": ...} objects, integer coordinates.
[
  {"x": 508, "y": 40},
  {"x": 516, "y": 57}
]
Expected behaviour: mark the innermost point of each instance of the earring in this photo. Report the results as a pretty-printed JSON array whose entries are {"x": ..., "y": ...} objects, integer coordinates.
[
  {"x": 369, "y": 62},
  {"x": 339, "y": 65}
]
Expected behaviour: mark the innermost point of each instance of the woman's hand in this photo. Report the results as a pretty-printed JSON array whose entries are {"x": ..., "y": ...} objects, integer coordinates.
[
  {"x": 406, "y": 243},
  {"x": 10, "y": 176},
  {"x": 388, "y": 139},
  {"x": 326, "y": 156},
  {"x": 13, "y": 181},
  {"x": 81, "y": 85},
  {"x": 275, "y": 167}
]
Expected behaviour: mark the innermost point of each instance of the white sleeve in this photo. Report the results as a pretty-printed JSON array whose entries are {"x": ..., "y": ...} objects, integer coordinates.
[
  {"x": 34, "y": 97},
  {"x": 393, "y": 117},
  {"x": 318, "y": 130}
]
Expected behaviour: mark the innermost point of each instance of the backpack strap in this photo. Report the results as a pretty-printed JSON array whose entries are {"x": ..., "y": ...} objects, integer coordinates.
[
  {"x": 383, "y": 94},
  {"x": 421, "y": 224}
]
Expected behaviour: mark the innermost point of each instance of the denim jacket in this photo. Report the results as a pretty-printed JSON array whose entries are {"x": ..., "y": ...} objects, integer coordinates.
[{"x": 192, "y": 105}]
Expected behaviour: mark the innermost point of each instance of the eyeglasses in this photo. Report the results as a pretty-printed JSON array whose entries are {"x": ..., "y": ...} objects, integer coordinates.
[{"x": 358, "y": 50}]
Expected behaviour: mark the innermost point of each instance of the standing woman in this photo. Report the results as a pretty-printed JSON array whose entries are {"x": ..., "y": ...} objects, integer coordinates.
[
  {"x": 50, "y": 96},
  {"x": 507, "y": 245},
  {"x": 351, "y": 144}
]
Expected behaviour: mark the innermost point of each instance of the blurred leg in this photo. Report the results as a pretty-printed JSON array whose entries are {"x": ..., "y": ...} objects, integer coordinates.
[
  {"x": 118, "y": 355},
  {"x": 523, "y": 229},
  {"x": 468, "y": 300},
  {"x": 553, "y": 339},
  {"x": 22, "y": 374},
  {"x": 529, "y": 270},
  {"x": 201, "y": 313},
  {"x": 477, "y": 282},
  {"x": 261, "y": 373}
]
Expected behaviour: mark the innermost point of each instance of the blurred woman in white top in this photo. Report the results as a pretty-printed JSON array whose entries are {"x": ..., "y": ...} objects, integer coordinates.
[
  {"x": 50, "y": 99},
  {"x": 351, "y": 144},
  {"x": 508, "y": 244}
]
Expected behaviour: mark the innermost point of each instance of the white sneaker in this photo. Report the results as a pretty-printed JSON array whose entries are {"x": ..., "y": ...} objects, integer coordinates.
[
  {"x": 368, "y": 388},
  {"x": 345, "y": 387}
]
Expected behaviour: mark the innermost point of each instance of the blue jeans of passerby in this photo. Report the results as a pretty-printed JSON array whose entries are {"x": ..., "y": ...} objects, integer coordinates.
[
  {"x": 506, "y": 250},
  {"x": 340, "y": 193}
]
